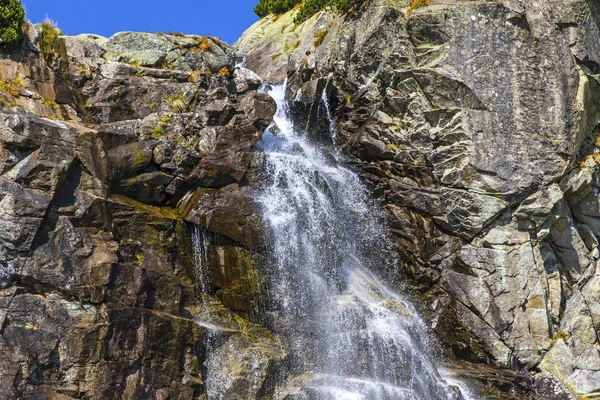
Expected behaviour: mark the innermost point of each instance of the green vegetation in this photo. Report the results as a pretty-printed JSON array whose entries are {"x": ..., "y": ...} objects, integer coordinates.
[
  {"x": 49, "y": 102},
  {"x": 178, "y": 103},
  {"x": 50, "y": 32},
  {"x": 157, "y": 133},
  {"x": 266, "y": 7},
  {"x": 12, "y": 16},
  {"x": 307, "y": 8}
]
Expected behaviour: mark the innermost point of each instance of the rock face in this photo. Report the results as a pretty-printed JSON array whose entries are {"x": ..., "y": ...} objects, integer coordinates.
[
  {"x": 476, "y": 125},
  {"x": 108, "y": 157},
  {"x": 132, "y": 252}
]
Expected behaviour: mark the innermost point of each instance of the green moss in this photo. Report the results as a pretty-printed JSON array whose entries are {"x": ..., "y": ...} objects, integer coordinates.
[
  {"x": 139, "y": 159},
  {"x": 157, "y": 133}
]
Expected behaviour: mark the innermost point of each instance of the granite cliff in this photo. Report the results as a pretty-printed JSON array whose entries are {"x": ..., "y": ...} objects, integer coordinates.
[{"x": 474, "y": 123}]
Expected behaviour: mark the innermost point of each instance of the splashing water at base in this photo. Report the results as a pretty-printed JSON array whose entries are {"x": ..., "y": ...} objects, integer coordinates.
[{"x": 350, "y": 336}]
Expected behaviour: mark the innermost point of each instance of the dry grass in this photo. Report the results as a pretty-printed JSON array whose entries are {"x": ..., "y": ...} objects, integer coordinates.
[
  {"x": 224, "y": 71},
  {"x": 204, "y": 43},
  {"x": 194, "y": 76},
  {"x": 320, "y": 37},
  {"x": 562, "y": 335},
  {"x": 417, "y": 4}
]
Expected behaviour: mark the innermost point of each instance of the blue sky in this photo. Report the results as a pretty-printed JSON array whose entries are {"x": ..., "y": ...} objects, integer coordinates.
[{"x": 225, "y": 19}]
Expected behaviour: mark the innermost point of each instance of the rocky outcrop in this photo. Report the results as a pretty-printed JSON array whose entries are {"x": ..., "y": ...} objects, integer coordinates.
[
  {"x": 476, "y": 125},
  {"x": 133, "y": 259},
  {"x": 110, "y": 158}
]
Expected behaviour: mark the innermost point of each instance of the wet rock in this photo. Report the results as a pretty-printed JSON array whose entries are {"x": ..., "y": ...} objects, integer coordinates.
[
  {"x": 492, "y": 202},
  {"x": 245, "y": 79},
  {"x": 231, "y": 211},
  {"x": 99, "y": 291},
  {"x": 246, "y": 375}
]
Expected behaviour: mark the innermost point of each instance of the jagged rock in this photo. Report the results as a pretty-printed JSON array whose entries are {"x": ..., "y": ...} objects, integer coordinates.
[
  {"x": 241, "y": 370},
  {"x": 231, "y": 211},
  {"x": 244, "y": 79},
  {"x": 475, "y": 124},
  {"x": 99, "y": 293}
]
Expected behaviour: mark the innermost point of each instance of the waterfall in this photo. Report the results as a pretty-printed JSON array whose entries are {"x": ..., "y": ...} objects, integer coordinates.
[
  {"x": 200, "y": 248},
  {"x": 328, "y": 114},
  {"x": 350, "y": 336}
]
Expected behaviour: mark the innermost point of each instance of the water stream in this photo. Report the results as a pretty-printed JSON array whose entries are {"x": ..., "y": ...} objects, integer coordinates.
[{"x": 351, "y": 337}]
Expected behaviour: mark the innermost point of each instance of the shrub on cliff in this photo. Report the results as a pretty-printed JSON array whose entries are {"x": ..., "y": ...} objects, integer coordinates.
[
  {"x": 306, "y": 10},
  {"x": 266, "y": 7},
  {"x": 11, "y": 20},
  {"x": 50, "y": 32}
]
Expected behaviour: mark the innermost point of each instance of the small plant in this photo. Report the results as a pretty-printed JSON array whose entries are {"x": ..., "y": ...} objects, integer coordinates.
[
  {"x": 204, "y": 43},
  {"x": 223, "y": 71},
  {"x": 12, "y": 16},
  {"x": 140, "y": 74},
  {"x": 140, "y": 259},
  {"x": 178, "y": 103},
  {"x": 562, "y": 335},
  {"x": 320, "y": 37},
  {"x": 275, "y": 56},
  {"x": 194, "y": 76},
  {"x": 50, "y": 32},
  {"x": 48, "y": 102},
  {"x": 12, "y": 87},
  {"x": 417, "y": 4},
  {"x": 157, "y": 133},
  {"x": 165, "y": 120}
]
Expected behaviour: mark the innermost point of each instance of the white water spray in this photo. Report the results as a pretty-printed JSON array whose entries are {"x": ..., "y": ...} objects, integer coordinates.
[{"x": 351, "y": 337}]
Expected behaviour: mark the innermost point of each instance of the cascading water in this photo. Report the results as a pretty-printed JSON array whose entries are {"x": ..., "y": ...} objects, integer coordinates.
[
  {"x": 350, "y": 336},
  {"x": 200, "y": 247}
]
